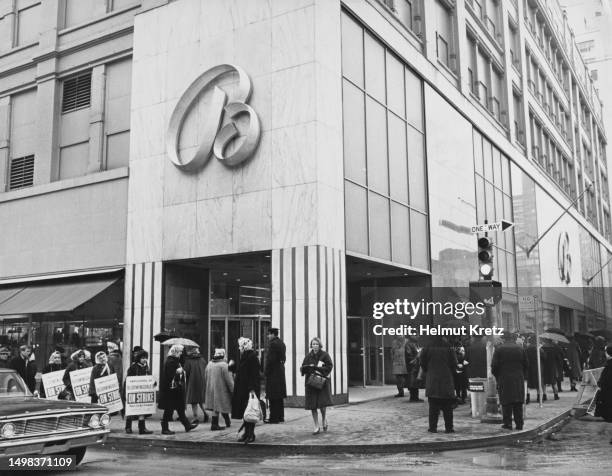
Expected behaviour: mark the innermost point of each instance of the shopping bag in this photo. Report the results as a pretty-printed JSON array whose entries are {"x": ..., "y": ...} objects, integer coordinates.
[{"x": 252, "y": 413}]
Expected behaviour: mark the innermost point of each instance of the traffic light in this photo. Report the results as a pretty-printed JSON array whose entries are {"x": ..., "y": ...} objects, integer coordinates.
[{"x": 485, "y": 258}]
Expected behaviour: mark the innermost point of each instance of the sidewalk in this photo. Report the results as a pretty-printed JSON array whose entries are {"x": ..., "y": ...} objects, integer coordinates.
[{"x": 376, "y": 426}]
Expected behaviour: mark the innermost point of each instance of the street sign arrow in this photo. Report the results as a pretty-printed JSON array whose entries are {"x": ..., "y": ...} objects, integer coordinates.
[{"x": 491, "y": 227}]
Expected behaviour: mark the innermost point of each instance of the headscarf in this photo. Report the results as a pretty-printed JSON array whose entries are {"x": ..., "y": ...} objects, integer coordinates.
[
  {"x": 53, "y": 356},
  {"x": 176, "y": 350},
  {"x": 219, "y": 354},
  {"x": 99, "y": 361},
  {"x": 245, "y": 344}
]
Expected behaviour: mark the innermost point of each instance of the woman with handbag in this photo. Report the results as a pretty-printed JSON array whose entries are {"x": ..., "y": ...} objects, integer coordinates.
[
  {"x": 317, "y": 366},
  {"x": 172, "y": 391},
  {"x": 247, "y": 386}
]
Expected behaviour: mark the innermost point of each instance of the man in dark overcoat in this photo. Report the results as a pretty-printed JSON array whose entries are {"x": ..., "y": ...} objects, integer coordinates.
[
  {"x": 276, "y": 388},
  {"x": 412, "y": 367},
  {"x": 509, "y": 366},
  {"x": 25, "y": 367},
  {"x": 439, "y": 362},
  {"x": 575, "y": 365},
  {"x": 476, "y": 355}
]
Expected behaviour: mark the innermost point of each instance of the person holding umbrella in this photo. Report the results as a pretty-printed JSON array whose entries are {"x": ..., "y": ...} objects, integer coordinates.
[{"x": 172, "y": 391}]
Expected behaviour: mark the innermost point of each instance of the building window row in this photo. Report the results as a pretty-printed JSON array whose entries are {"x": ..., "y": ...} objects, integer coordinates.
[
  {"x": 546, "y": 152},
  {"x": 486, "y": 80},
  {"x": 408, "y": 12},
  {"x": 19, "y": 23},
  {"x": 545, "y": 93},
  {"x": 488, "y": 14},
  {"x": 84, "y": 144}
]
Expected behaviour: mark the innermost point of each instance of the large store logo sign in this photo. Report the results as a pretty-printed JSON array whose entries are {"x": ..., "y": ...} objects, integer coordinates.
[
  {"x": 564, "y": 257},
  {"x": 215, "y": 138}
]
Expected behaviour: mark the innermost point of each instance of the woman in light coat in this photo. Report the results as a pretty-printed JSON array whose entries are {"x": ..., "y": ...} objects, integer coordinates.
[{"x": 219, "y": 389}]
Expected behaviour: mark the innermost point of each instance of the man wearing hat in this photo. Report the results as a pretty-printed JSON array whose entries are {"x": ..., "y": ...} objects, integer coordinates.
[
  {"x": 276, "y": 388},
  {"x": 25, "y": 367},
  {"x": 509, "y": 366}
]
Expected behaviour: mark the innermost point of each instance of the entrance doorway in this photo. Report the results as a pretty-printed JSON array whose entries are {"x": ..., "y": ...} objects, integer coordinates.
[
  {"x": 366, "y": 359},
  {"x": 225, "y": 331}
]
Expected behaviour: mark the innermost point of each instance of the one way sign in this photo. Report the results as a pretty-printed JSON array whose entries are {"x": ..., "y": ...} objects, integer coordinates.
[{"x": 490, "y": 227}]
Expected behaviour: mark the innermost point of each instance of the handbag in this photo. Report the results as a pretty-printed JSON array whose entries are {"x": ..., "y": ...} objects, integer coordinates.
[
  {"x": 178, "y": 381},
  {"x": 316, "y": 380},
  {"x": 252, "y": 413}
]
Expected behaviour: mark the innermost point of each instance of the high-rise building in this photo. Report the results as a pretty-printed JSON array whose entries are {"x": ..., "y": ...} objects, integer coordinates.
[{"x": 211, "y": 168}]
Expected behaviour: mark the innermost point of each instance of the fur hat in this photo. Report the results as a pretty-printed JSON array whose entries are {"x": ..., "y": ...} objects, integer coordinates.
[{"x": 140, "y": 354}]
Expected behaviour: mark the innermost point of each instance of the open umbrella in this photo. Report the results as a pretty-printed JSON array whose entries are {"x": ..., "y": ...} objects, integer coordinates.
[
  {"x": 163, "y": 336},
  {"x": 607, "y": 333},
  {"x": 555, "y": 330},
  {"x": 181, "y": 341},
  {"x": 554, "y": 337}
]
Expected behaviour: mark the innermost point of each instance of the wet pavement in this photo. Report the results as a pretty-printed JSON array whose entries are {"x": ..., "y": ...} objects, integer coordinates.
[
  {"x": 580, "y": 448},
  {"x": 384, "y": 423}
]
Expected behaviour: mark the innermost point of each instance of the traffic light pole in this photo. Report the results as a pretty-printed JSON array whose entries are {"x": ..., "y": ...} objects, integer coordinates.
[{"x": 491, "y": 413}]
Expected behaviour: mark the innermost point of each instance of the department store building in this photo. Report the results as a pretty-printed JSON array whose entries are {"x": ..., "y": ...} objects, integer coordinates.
[{"x": 212, "y": 168}]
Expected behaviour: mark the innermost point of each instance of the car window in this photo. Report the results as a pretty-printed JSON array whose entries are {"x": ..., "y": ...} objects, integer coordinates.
[{"x": 11, "y": 385}]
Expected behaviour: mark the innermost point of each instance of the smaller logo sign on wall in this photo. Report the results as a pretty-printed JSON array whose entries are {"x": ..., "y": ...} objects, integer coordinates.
[
  {"x": 564, "y": 258},
  {"x": 216, "y": 138}
]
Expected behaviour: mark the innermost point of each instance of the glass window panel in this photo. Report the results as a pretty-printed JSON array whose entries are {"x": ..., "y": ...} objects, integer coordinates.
[
  {"x": 497, "y": 167},
  {"x": 352, "y": 50},
  {"x": 398, "y": 163},
  {"x": 374, "y": 68},
  {"x": 376, "y": 133},
  {"x": 500, "y": 273},
  {"x": 499, "y": 204},
  {"x": 510, "y": 241},
  {"x": 419, "y": 246},
  {"x": 511, "y": 270},
  {"x": 356, "y": 218},
  {"x": 28, "y": 28},
  {"x": 414, "y": 100},
  {"x": 417, "y": 178},
  {"x": 487, "y": 160},
  {"x": 354, "y": 133},
  {"x": 507, "y": 208},
  {"x": 481, "y": 211},
  {"x": 117, "y": 150},
  {"x": 477, "y": 139},
  {"x": 395, "y": 85},
  {"x": 400, "y": 233},
  {"x": 380, "y": 230},
  {"x": 505, "y": 174},
  {"x": 490, "y": 202}
]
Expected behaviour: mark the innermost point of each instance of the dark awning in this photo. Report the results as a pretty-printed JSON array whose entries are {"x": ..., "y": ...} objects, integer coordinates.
[{"x": 56, "y": 297}]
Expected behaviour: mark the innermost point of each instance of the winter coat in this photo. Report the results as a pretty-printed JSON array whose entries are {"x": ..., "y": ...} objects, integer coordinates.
[
  {"x": 573, "y": 357},
  {"x": 317, "y": 398},
  {"x": 248, "y": 379},
  {"x": 532, "y": 366},
  {"x": 172, "y": 398},
  {"x": 553, "y": 366},
  {"x": 604, "y": 398},
  {"x": 509, "y": 366},
  {"x": 219, "y": 386},
  {"x": 411, "y": 355},
  {"x": 72, "y": 366},
  {"x": 276, "y": 387},
  {"x": 48, "y": 369},
  {"x": 134, "y": 370},
  {"x": 195, "y": 366},
  {"x": 26, "y": 369},
  {"x": 439, "y": 364},
  {"x": 115, "y": 359},
  {"x": 398, "y": 360},
  {"x": 476, "y": 355},
  {"x": 597, "y": 358},
  {"x": 98, "y": 371}
]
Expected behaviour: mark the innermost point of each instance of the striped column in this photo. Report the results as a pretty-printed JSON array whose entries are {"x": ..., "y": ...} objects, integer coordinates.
[
  {"x": 142, "y": 313},
  {"x": 309, "y": 300}
]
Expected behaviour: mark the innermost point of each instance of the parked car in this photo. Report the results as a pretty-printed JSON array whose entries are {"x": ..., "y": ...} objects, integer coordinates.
[{"x": 36, "y": 426}]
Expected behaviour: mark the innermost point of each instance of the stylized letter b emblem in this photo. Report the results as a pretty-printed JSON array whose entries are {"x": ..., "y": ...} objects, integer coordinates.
[{"x": 216, "y": 138}]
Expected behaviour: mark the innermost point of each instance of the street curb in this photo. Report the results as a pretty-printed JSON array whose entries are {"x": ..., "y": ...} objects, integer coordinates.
[{"x": 236, "y": 448}]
